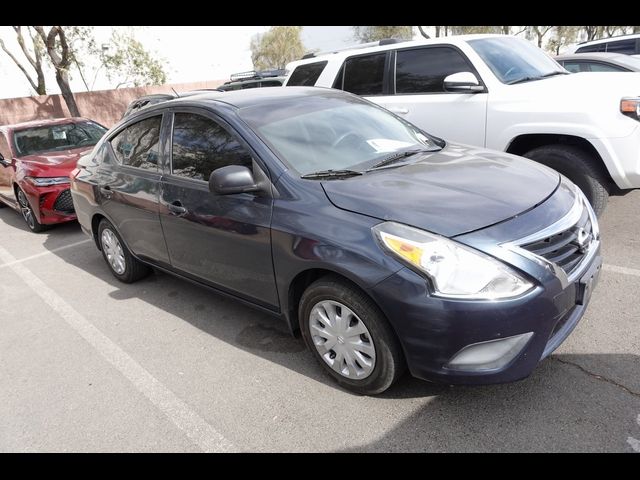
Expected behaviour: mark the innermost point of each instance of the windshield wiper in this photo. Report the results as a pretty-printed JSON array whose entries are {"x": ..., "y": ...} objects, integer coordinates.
[
  {"x": 332, "y": 174},
  {"x": 395, "y": 157},
  {"x": 539, "y": 77}
]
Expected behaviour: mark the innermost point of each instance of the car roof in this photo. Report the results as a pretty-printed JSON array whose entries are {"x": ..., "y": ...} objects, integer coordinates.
[
  {"x": 452, "y": 40},
  {"x": 250, "y": 97},
  {"x": 42, "y": 123},
  {"x": 620, "y": 59},
  {"x": 616, "y": 38}
]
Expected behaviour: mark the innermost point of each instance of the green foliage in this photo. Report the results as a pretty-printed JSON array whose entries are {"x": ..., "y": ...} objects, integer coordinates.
[
  {"x": 372, "y": 34},
  {"x": 562, "y": 36},
  {"x": 130, "y": 62},
  {"x": 277, "y": 47}
]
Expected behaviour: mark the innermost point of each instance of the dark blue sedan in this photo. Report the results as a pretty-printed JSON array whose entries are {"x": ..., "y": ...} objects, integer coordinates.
[{"x": 384, "y": 246}]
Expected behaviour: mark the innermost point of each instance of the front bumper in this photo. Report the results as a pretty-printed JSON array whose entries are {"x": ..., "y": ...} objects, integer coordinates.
[
  {"x": 52, "y": 204},
  {"x": 433, "y": 330}
]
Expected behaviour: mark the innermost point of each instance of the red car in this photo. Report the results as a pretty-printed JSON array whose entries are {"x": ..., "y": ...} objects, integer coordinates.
[{"x": 36, "y": 159}]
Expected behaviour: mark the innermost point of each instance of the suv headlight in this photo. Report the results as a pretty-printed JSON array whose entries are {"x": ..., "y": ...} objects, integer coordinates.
[
  {"x": 456, "y": 271},
  {"x": 630, "y": 107},
  {"x": 47, "y": 181}
]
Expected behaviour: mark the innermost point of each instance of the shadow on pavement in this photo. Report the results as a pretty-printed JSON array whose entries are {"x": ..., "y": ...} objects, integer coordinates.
[{"x": 558, "y": 397}]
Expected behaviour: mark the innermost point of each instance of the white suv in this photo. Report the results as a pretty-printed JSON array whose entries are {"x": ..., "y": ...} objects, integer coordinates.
[{"x": 503, "y": 93}]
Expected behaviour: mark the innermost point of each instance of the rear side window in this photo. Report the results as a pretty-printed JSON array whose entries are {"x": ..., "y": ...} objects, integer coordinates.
[
  {"x": 201, "y": 145},
  {"x": 627, "y": 47},
  {"x": 364, "y": 75},
  {"x": 423, "y": 70},
  {"x": 573, "y": 67},
  {"x": 306, "y": 75},
  {"x": 598, "y": 47},
  {"x": 138, "y": 144},
  {"x": 603, "y": 67}
]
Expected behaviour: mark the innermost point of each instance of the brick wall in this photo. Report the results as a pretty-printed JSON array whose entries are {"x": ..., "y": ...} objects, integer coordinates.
[{"x": 103, "y": 106}]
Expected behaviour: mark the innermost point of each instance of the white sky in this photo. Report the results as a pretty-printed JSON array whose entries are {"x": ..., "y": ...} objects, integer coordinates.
[{"x": 193, "y": 53}]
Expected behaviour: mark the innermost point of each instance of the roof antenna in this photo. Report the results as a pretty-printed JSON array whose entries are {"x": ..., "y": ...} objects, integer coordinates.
[{"x": 174, "y": 91}]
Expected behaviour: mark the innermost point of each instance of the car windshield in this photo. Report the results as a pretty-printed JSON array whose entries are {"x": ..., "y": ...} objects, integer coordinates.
[
  {"x": 513, "y": 60},
  {"x": 333, "y": 132},
  {"x": 30, "y": 141}
]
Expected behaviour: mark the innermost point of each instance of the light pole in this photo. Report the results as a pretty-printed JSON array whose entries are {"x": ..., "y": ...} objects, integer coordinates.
[{"x": 105, "y": 48}]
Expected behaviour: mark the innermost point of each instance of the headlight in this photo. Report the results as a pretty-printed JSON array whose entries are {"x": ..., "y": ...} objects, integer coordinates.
[
  {"x": 455, "y": 270},
  {"x": 630, "y": 107},
  {"x": 47, "y": 181}
]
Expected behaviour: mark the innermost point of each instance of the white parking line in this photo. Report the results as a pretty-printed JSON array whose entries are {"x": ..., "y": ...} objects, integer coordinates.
[
  {"x": 183, "y": 416},
  {"x": 42, "y": 254},
  {"x": 627, "y": 271}
]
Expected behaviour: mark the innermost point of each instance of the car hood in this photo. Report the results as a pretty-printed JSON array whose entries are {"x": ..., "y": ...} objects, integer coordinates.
[
  {"x": 54, "y": 163},
  {"x": 453, "y": 191}
]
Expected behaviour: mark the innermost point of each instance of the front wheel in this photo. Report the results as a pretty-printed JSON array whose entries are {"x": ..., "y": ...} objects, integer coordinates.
[
  {"x": 350, "y": 336},
  {"x": 124, "y": 266},
  {"x": 579, "y": 167},
  {"x": 27, "y": 212}
]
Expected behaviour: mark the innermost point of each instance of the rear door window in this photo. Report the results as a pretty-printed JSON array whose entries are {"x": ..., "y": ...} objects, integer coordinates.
[
  {"x": 306, "y": 75},
  {"x": 364, "y": 75},
  {"x": 138, "y": 145}
]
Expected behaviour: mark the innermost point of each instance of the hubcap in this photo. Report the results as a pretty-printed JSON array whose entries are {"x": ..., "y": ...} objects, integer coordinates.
[
  {"x": 113, "y": 250},
  {"x": 25, "y": 209},
  {"x": 342, "y": 339}
]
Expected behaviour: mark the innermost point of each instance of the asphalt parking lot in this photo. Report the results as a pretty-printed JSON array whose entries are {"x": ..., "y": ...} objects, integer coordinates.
[{"x": 90, "y": 364}]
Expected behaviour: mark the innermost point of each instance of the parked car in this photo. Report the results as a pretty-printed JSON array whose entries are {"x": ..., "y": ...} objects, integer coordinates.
[
  {"x": 155, "y": 98},
  {"x": 254, "y": 79},
  {"x": 625, "y": 44},
  {"x": 36, "y": 159},
  {"x": 599, "y": 62},
  {"x": 385, "y": 246},
  {"x": 503, "y": 93}
]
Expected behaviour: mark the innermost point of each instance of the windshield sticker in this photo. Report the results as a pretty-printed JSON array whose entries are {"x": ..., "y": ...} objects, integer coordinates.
[{"x": 385, "y": 145}]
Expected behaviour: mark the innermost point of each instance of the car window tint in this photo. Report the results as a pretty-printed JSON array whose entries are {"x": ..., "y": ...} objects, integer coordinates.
[
  {"x": 622, "y": 46},
  {"x": 573, "y": 67},
  {"x": 364, "y": 75},
  {"x": 138, "y": 145},
  {"x": 306, "y": 75},
  {"x": 602, "y": 67},
  {"x": 201, "y": 145},
  {"x": 423, "y": 70},
  {"x": 598, "y": 47}
]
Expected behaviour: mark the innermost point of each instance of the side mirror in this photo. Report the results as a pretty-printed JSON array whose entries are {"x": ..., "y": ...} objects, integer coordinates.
[
  {"x": 3, "y": 161},
  {"x": 462, "y": 82},
  {"x": 232, "y": 179}
]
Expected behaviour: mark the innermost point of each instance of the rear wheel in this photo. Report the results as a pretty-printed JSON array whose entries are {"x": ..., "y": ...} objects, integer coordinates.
[
  {"x": 27, "y": 212},
  {"x": 578, "y": 166},
  {"x": 350, "y": 336},
  {"x": 123, "y": 265}
]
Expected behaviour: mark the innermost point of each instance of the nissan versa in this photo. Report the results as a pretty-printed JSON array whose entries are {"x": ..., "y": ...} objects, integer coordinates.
[{"x": 385, "y": 246}]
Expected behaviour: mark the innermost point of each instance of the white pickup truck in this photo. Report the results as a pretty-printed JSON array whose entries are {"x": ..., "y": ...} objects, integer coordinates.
[{"x": 503, "y": 93}]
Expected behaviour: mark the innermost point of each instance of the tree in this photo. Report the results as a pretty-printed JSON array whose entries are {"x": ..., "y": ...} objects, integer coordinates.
[
  {"x": 33, "y": 55},
  {"x": 60, "y": 55},
  {"x": 563, "y": 36},
  {"x": 467, "y": 29},
  {"x": 372, "y": 34},
  {"x": 131, "y": 61},
  {"x": 277, "y": 47},
  {"x": 538, "y": 33}
]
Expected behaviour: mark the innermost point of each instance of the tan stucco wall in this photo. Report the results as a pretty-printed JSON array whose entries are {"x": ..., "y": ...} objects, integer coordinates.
[{"x": 103, "y": 106}]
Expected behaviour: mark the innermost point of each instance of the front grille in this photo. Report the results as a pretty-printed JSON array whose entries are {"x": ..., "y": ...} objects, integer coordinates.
[
  {"x": 568, "y": 247},
  {"x": 64, "y": 202}
]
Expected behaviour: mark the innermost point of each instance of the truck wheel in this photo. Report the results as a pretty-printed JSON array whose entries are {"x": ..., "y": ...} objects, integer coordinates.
[{"x": 578, "y": 166}]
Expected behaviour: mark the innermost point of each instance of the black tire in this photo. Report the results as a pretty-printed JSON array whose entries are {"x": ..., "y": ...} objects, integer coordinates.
[
  {"x": 389, "y": 364},
  {"x": 578, "y": 166},
  {"x": 134, "y": 269},
  {"x": 29, "y": 218}
]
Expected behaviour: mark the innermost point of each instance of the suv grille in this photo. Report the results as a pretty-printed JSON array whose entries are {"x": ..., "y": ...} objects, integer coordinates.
[
  {"x": 64, "y": 202},
  {"x": 568, "y": 247}
]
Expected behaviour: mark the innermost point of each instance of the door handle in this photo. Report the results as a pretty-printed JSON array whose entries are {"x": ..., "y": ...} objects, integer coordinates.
[
  {"x": 176, "y": 208},
  {"x": 399, "y": 110},
  {"x": 106, "y": 191}
]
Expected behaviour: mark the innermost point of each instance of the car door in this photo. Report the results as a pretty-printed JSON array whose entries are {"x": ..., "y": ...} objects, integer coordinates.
[
  {"x": 7, "y": 171},
  {"x": 221, "y": 240},
  {"x": 128, "y": 186},
  {"x": 412, "y": 86}
]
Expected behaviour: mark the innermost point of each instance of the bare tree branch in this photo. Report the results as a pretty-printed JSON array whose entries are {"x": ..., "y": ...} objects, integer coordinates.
[{"x": 19, "y": 65}]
